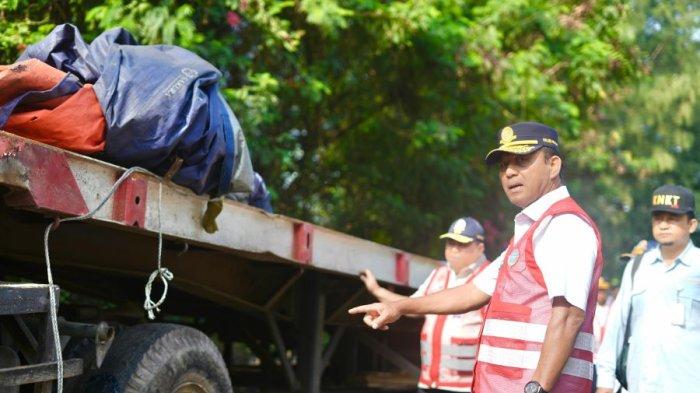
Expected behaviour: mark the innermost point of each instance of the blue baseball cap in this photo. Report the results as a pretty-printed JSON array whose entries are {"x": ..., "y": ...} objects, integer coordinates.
[
  {"x": 465, "y": 230},
  {"x": 524, "y": 138}
]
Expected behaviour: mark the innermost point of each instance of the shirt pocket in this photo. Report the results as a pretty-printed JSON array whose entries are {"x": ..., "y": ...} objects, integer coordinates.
[{"x": 689, "y": 296}]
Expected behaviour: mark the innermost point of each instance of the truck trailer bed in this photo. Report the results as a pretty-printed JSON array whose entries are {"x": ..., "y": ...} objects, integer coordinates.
[{"x": 260, "y": 278}]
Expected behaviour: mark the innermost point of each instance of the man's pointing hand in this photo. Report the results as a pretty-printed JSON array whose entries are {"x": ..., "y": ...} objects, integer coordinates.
[{"x": 378, "y": 315}]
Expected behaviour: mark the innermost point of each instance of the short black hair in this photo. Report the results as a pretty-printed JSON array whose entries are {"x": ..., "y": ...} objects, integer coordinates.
[{"x": 549, "y": 153}]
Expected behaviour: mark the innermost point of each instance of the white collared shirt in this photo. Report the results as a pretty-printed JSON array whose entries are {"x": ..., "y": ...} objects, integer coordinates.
[
  {"x": 665, "y": 325},
  {"x": 565, "y": 250},
  {"x": 454, "y": 280}
]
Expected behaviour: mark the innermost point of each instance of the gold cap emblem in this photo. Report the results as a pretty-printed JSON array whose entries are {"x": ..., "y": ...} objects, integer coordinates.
[{"x": 507, "y": 135}]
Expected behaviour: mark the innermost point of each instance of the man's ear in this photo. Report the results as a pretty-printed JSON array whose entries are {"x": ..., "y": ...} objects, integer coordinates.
[
  {"x": 480, "y": 247},
  {"x": 693, "y": 224},
  {"x": 554, "y": 167}
]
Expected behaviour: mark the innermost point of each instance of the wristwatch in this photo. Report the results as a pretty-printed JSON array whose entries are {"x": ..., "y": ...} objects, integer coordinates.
[{"x": 534, "y": 387}]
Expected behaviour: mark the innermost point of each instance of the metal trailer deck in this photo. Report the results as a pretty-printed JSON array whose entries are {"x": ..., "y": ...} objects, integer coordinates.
[{"x": 277, "y": 284}]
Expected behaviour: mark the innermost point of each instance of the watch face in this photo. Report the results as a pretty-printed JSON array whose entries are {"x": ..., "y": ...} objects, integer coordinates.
[{"x": 532, "y": 387}]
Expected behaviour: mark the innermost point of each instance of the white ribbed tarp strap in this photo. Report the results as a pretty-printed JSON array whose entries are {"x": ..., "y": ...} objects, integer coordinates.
[
  {"x": 528, "y": 360},
  {"x": 47, "y": 258},
  {"x": 530, "y": 332}
]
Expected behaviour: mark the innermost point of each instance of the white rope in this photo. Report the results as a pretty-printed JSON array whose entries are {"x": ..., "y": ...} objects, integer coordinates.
[
  {"x": 162, "y": 272},
  {"x": 52, "y": 314}
]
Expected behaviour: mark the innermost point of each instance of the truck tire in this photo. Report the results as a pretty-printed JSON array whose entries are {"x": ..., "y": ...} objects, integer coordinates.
[
  {"x": 161, "y": 358},
  {"x": 79, "y": 348}
]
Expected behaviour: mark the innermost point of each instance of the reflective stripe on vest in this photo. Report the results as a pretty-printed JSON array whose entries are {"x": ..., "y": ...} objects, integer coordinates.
[
  {"x": 528, "y": 359},
  {"x": 457, "y": 364},
  {"x": 449, "y": 352},
  {"x": 530, "y": 332},
  {"x": 460, "y": 351}
]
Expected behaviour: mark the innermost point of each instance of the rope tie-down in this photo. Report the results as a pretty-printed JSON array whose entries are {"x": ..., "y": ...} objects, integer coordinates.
[
  {"x": 149, "y": 306},
  {"x": 163, "y": 273}
]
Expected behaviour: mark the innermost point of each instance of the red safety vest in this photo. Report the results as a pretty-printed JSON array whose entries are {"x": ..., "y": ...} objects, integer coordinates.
[
  {"x": 518, "y": 314},
  {"x": 449, "y": 342}
]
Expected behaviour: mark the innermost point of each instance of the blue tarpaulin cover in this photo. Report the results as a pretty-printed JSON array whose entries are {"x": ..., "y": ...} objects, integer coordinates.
[{"x": 161, "y": 103}]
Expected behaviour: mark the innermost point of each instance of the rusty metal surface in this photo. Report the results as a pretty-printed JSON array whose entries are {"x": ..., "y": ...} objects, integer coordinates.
[
  {"x": 23, "y": 375},
  {"x": 130, "y": 201},
  {"x": 111, "y": 253},
  {"x": 42, "y": 178},
  {"x": 18, "y": 299},
  {"x": 244, "y": 231}
]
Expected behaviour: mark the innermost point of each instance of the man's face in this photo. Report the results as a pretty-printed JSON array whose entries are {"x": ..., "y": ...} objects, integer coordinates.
[
  {"x": 672, "y": 229},
  {"x": 525, "y": 178},
  {"x": 460, "y": 255}
]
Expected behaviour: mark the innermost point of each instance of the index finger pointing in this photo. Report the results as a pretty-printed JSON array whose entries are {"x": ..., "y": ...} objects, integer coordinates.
[{"x": 362, "y": 309}]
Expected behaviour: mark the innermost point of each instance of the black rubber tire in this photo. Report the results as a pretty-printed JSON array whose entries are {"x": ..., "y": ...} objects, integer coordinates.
[
  {"x": 157, "y": 358},
  {"x": 79, "y": 348}
]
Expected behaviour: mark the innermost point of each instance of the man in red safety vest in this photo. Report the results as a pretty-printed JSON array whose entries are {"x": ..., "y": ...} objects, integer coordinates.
[
  {"x": 448, "y": 342},
  {"x": 541, "y": 291}
]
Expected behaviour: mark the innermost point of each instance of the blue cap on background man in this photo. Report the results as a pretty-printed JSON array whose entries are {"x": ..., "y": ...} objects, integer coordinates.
[
  {"x": 465, "y": 230},
  {"x": 524, "y": 138}
]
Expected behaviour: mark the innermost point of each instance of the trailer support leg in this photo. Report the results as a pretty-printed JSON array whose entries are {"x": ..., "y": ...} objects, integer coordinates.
[
  {"x": 332, "y": 345},
  {"x": 46, "y": 351},
  {"x": 311, "y": 321},
  {"x": 8, "y": 359},
  {"x": 282, "y": 352},
  {"x": 343, "y": 309},
  {"x": 389, "y": 354}
]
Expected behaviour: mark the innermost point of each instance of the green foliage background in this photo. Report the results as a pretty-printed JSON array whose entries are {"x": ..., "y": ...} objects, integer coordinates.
[{"x": 373, "y": 117}]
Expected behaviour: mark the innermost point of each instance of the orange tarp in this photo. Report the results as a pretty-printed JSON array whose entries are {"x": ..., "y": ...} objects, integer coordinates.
[
  {"x": 73, "y": 122},
  {"x": 29, "y": 75}
]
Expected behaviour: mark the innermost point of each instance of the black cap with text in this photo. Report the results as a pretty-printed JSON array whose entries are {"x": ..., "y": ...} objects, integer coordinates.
[{"x": 673, "y": 199}]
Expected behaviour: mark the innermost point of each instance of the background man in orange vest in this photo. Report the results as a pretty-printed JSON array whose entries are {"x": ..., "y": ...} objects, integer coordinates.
[
  {"x": 448, "y": 342},
  {"x": 541, "y": 291}
]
